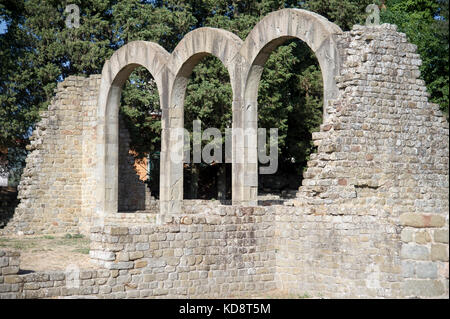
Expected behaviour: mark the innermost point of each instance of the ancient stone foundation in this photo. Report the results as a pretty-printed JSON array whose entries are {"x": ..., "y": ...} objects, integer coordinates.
[{"x": 369, "y": 221}]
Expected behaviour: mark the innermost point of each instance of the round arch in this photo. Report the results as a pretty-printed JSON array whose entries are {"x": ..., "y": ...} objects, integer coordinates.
[
  {"x": 244, "y": 61},
  {"x": 274, "y": 29},
  {"x": 115, "y": 72},
  {"x": 188, "y": 53}
]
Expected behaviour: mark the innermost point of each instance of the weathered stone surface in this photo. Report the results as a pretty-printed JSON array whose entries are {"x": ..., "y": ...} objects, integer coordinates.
[
  {"x": 416, "y": 252},
  {"x": 426, "y": 270},
  {"x": 441, "y": 236},
  {"x": 407, "y": 235},
  {"x": 102, "y": 255},
  {"x": 408, "y": 269},
  {"x": 422, "y": 237},
  {"x": 136, "y": 255},
  {"x": 13, "y": 279},
  {"x": 423, "y": 288},
  {"x": 4, "y": 261},
  {"x": 10, "y": 270},
  {"x": 422, "y": 220},
  {"x": 439, "y": 252}
]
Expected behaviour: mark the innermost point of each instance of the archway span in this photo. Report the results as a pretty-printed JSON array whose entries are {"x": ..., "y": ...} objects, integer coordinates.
[
  {"x": 188, "y": 53},
  {"x": 115, "y": 72},
  {"x": 274, "y": 29},
  {"x": 277, "y": 27},
  {"x": 244, "y": 62}
]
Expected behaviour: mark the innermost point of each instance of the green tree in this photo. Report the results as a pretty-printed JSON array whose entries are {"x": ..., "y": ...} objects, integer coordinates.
[
  {"x": 345, "y": 13},
  {"x": 425, "y": 23},
  {"x": 38, "y": 50}
]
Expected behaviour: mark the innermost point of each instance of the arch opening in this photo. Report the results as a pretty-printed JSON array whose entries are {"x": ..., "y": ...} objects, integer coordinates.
[
  {"x": 208, "y": 101},
  {"x": 115, "y": 73},
  {"x": 319, "y": 35},
  {"x": 139, "y": 143},
  {"x": 194, "y": 47},
  {"x": 289, "y": 98}
]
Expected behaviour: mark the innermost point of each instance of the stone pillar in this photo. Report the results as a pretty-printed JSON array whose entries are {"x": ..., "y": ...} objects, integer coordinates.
[{"x": 172, "y": 141}]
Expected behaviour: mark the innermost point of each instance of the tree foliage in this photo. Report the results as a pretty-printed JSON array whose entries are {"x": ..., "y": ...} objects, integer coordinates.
[
  {"x": 425, "y": 23},
  {"x": 38, "y": 50}
]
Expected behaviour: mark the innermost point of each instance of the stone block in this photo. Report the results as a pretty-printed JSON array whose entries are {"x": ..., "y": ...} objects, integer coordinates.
[
  {"x": 4, "y": 261},
  {"x": 119, "y": 265},
  {"x": 439, "y": 252},
  {"x": 56, "y": 276},
  {"x": 422, "y": 237},
  {"x": 408, "y": 268},
  {"x": 85, "y": 274},
  {"x": 5, "y": 288},
  {"x": 140, "y": 264},
  {"x": 135, "y": 255},
  {"x": 426, "y": 270},
  {"x": 102, "y": 255},
  {"x": 422, "y": 288},
  {"x": 13, "y": 279},
  {"x": 422, "y": 220},
  {"x": 407, "y": 234},
  {"x": 142, "y": 246},
  {"x": 412, "y": 251},
  {"x": 122, "y": 256},
  {"x": 31, "y": 286},
  {"x": 441, "y": 236},
  {"x": 10, "y": 270}
]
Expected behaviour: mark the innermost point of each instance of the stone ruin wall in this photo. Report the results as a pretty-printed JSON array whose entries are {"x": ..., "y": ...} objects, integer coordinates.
[
  {"x": 58, "y": 184},
  {"x": 375, "y": 195},
  {"x": 59, "y": 174},
  {"x": 370, "y": 220}
]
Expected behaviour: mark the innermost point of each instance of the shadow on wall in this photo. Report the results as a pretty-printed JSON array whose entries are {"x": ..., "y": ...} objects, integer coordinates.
[
  {"x": 8, "y": 203},
  {"x": 133, "y": 192}
]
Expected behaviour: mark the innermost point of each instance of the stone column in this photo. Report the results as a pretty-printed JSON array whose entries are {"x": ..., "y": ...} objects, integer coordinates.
[{"x": 172, "y": 141}]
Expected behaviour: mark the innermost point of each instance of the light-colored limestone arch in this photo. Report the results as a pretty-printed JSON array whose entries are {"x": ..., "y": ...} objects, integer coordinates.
[
  {"x": 188, "y": 53},
  {"x": 115, "y": 72},
  {"x": 244, "y": 61},
  {"x": 320, "y": 35}
]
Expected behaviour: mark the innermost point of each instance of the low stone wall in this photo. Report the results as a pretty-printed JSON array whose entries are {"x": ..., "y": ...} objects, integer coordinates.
[
  {"x": 227, "y": 251},
  {"x": 219, "y": 255},
  {"x": 360, "y": 255},
  {"x": 214, "y": 255},
  {"x": 49, "y": 284}
]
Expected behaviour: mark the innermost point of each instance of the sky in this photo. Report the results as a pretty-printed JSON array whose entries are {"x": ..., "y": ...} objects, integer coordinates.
[{"x": 2, "y": 27}]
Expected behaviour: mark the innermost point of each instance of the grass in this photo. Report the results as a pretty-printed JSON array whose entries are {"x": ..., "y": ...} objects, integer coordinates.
[
  {"x": 84, "y": 251},
  {"x": 77, "y": 242},
  {"x": 17, "y": 244}
]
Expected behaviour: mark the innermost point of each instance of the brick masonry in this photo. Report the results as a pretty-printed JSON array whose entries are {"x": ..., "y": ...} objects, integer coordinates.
[{"x": 369, "y": 221}]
